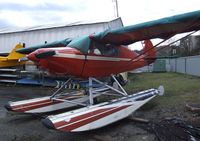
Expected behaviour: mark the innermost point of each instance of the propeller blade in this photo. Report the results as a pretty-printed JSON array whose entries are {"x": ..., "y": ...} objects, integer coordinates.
[{"x": 45, "y": 54}]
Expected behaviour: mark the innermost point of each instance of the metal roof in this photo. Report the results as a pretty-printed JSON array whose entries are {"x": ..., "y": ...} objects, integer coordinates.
[{"x": 49, "y": 26}]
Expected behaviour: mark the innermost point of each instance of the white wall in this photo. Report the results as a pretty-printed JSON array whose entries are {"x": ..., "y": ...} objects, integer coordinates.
[
  {"x": 39, "y": 36},
  {"x": 188, "y": 65}
]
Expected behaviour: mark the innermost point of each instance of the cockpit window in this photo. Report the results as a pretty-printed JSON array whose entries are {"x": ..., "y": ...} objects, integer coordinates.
[{"x": 104, "y": 49}]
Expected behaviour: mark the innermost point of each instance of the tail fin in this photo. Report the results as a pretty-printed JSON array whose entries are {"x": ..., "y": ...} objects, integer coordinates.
[
  {"x": 13, "y": 55},
  {"x": 149, "y": 52}
]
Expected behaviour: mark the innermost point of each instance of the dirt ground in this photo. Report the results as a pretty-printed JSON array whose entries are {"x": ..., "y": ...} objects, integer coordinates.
[{"x": 20, "y": 127}]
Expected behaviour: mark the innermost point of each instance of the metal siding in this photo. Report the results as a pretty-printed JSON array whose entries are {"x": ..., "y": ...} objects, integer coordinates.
[
  {"x": 25, "y": 38},
  {"x": 1, "y": 41},
  {"x": 172, "y": 64},
  {"x": 168, "y": 68},
  {"x": 187, "y": 65},
  {"x": 115, "y": 24},
  {"x": 35, "y": 37},
  {"x": 193, "y": 65},
  {"x": 159, "y": 65},
  {"x": 180, "y": 65},
  {"x": 9, "y": 43},
  {"x": 60, "y": 33}
]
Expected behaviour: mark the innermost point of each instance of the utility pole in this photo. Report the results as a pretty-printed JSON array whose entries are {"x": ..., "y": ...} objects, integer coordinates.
[{"x": 116, "y": 8}]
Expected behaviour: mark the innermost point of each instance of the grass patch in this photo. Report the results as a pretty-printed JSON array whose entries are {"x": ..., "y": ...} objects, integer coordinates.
[{"x": 179, "y": 88}]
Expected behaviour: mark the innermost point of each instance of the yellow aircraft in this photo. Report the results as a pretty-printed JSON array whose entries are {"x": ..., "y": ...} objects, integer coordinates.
[{"x": 12, "y": 59}]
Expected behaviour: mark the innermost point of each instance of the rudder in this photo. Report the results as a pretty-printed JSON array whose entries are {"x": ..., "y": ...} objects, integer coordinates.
[
  {"x": 13, "y": 55},
  {"x": 149, "y": 51}
]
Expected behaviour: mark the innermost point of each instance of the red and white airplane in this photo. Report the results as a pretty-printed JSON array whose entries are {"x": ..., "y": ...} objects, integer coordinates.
[
  {"x": 104, "y": 53},
  {"x": 100, "y": 61},
  {"x": 95, "y": 56}
]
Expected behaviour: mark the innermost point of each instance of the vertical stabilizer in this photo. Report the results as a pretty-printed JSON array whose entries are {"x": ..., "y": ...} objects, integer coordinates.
[
  {"x": 14, "y": 55},
  {"x": 149, "y": 51}
]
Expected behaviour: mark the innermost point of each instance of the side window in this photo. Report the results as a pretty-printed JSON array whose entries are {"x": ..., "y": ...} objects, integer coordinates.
[
  {"x": 94, "y": 49},
  {"x": 97, "y": 51},
  {"x": 110, "y": 50},
  {"x": 103, "y": 49}
]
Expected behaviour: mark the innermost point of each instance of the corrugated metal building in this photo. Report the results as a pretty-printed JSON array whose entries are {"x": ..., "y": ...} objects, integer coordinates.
[{"x": 39, "y": 34}]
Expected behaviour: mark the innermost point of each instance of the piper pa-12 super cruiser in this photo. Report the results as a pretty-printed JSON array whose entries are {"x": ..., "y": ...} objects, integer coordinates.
[{"x": 92, "y": 57}]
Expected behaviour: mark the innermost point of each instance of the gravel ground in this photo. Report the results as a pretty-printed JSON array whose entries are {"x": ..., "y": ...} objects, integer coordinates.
[{"x": 20, "y": 127}]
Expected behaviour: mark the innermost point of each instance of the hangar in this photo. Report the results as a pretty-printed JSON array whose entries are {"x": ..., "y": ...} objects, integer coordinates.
[{"x": 35, "y": 35}]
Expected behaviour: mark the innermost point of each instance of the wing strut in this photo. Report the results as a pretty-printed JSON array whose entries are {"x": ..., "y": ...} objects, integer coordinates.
[
  {"x": 159, "y": 44},
  {"x": 180, "y": 31}
]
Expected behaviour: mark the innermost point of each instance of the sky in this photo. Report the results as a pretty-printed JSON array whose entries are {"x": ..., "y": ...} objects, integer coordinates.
[{"x": 23, "y": 13}]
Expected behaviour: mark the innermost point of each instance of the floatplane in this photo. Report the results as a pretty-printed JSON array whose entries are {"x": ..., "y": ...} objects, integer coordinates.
[{"x": 92, "y": 57}]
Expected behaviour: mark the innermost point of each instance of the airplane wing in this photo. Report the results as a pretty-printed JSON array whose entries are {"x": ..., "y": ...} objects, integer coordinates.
[
  {"x": 161, "y": 28},
  {"x": 61, "y": 43}
]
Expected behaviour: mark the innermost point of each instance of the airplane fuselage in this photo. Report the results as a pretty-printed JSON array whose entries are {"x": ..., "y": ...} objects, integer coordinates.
[
  {"x": 9, "y": 63},
  {"x": 70, "y": 61}
]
